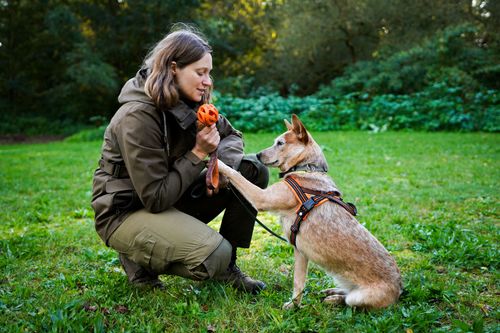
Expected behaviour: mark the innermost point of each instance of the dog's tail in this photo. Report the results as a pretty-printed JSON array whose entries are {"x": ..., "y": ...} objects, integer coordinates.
[{"x": 374, "y": 296}]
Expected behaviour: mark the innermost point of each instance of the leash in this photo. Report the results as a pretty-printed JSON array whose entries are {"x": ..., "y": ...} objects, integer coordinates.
[
  {"x": 245, "y": 205},
  {"x": 317, "y": 198}
]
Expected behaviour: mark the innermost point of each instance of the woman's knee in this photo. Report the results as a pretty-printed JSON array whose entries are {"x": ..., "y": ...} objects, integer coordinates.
[
  {"x": 253, "y": 170},
  {"x": 218, "y": 261}
]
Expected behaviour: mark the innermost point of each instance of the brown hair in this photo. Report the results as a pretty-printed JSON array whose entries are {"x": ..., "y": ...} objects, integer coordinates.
[{"x": 184, "y": 45}]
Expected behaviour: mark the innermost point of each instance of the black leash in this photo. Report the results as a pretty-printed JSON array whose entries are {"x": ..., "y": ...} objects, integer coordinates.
[{"x": 237, "y": 195}]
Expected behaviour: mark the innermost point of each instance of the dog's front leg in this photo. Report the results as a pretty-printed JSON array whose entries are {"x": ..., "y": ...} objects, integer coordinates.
[
  {"x": 276, "y": 197},
  {"x": 299, "y": 279}
]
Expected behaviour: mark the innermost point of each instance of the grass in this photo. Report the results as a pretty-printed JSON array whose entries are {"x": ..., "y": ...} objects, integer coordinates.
[{"x": 430, "y": 198}]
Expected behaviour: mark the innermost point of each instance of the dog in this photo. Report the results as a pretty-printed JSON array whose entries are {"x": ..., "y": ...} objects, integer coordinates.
[{"x": 365, "y": 274}]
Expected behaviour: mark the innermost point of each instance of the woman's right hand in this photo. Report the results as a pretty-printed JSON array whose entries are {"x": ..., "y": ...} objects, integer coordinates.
[{"x": 207, "y": 140}]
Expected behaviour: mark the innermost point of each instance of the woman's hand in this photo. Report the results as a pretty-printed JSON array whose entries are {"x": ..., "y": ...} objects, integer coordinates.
[{"x": 207, "y": 140}]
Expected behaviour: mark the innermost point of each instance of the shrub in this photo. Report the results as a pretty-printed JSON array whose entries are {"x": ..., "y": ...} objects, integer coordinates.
[
  {"x": 443, "y": 106},
  {"x": 451, "y": 54},
  {"x": 92, "y": 134}
]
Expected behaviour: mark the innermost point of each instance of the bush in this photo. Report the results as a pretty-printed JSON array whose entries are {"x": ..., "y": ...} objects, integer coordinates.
[
  {"x": 92, "y": 134},
  {"x": 32, "y": 125},
  {"x": 442, "y": 106},
  {"x": 265, "y": 113},
  {"x": 452, "y": 54}
]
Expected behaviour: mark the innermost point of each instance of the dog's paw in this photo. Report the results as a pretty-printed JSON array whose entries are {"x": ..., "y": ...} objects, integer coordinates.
[
  {"x": 335, "y": 299},
  {"x": 334, "y": 291}
]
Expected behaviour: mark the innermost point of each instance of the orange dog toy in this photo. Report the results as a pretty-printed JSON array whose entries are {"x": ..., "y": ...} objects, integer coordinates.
[{"x": 207, "y": 115}]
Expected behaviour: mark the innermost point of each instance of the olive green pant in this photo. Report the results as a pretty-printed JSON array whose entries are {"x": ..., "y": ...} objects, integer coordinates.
[
  {"x": 178, "y": 241},
  {"x": 172, "y": 242}
]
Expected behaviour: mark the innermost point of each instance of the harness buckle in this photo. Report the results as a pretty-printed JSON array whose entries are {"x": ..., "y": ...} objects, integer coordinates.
[{"x": 309, "y": 204}]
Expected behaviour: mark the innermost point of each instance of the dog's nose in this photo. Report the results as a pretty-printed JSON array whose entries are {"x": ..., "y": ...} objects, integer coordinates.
[{"x": 258, "y": 156}]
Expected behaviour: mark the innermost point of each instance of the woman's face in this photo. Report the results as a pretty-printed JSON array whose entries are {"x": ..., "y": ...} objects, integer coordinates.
[{"x": 194, "y": 79}]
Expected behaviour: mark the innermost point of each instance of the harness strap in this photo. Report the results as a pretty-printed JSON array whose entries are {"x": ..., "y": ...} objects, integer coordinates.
[
  {"x": 115, "y": 169},
  {"x": 315, "y": 198},
  {"x": 297, "y": 189}
]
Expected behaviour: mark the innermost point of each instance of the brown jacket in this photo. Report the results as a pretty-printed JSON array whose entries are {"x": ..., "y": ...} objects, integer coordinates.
[{"x": 151, "y": 168}]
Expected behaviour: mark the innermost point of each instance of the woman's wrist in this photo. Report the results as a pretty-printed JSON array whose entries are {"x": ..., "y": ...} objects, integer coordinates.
[{"x": 199, "y": 153}]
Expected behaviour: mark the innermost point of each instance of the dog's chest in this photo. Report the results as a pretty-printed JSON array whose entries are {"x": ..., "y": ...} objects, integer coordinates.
[{"x": 286, "y": 221}]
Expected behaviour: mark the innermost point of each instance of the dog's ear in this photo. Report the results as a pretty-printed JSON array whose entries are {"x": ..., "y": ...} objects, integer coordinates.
[
  {"x": 300, "y": 130},
  {"x": 288, "y": 125}
]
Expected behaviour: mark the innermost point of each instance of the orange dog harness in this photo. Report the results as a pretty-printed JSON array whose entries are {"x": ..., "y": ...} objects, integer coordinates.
[{"x": 310, "y": 199}]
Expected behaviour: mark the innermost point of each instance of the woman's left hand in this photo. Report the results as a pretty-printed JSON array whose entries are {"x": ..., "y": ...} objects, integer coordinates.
[{"x": 207, "y": 140}]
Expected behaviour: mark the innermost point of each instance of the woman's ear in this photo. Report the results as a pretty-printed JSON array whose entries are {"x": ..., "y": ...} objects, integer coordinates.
[{"x": 173, "y": 66}]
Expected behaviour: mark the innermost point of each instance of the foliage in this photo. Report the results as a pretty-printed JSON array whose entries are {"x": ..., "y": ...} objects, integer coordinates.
[
  {"x": 38, "y": 125},
  {"x": 315, "y": 43},
  {"x": 451, "y": 57},
  {"x": 437, "y": 108},
  {"x": 64, "y": 62},
  {"x": 430, "y": 198},
  {"x": 92, "y": 134}
]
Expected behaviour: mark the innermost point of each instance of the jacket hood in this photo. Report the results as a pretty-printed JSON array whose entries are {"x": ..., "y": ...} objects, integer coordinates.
[{"x": 133, "y": 90}]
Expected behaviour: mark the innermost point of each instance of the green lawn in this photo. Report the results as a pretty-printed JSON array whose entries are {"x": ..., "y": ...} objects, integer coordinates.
[{"x": 431, "y": 198}]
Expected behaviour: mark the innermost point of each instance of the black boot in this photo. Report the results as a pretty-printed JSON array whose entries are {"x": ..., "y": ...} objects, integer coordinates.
[
  {"x": 239, "y": 280},
  {"x": 138, "y": 275}
]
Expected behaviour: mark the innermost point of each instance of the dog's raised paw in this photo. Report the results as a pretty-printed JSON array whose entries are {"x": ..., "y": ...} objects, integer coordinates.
[{"x": 335, "y": 299}]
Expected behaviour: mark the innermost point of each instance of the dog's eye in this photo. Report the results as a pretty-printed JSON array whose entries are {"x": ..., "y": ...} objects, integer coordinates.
[{"x": 280, "y": 143}]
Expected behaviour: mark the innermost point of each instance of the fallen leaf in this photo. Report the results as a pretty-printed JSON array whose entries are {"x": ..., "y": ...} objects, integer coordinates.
[
  {"x": 89, "y": 308},
  {"x": 284, "y": 270},
  {"x": 486, "y": 309},
  {"x": 121, "y": 309}
]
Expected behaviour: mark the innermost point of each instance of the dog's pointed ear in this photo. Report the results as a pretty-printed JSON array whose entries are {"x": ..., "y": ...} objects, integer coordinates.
[
  {"x": 288, "y": 125},
  {"x": 300, "y": 129}
]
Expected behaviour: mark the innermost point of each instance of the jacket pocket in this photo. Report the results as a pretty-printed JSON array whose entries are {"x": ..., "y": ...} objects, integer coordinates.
[{"x": 124, "y": 196}]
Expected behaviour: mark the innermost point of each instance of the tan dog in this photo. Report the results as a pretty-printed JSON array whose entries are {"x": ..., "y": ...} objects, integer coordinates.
[{"x": 364, "y": 272}]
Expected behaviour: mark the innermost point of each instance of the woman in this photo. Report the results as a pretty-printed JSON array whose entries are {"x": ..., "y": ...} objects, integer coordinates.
[{"x": 149, "y": 193}]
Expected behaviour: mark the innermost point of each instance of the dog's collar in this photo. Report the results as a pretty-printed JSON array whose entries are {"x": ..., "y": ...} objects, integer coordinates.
[{"x": 306, "y": 168}]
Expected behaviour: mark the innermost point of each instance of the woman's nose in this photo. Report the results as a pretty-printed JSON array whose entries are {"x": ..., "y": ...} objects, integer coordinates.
[{"x": 207, "y": 81}]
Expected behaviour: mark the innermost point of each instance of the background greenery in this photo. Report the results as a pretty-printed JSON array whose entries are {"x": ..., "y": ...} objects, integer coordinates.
[
  {"x": 430, "y": 198},
  {"x": 365, "y": 64}
]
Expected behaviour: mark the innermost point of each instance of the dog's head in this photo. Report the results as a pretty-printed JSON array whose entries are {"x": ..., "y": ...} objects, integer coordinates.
[{"x": 293, "y": 148}]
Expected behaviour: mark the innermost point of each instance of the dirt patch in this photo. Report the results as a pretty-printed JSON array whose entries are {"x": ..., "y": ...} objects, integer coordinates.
[{"x": 21, "y": 138}]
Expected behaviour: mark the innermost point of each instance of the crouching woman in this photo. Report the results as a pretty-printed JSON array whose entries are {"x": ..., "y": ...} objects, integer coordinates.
[{"x": 149, "y": 193}]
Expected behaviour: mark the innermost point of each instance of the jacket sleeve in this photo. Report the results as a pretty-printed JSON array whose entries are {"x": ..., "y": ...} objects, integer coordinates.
[
  {"x": 158, "y": 184},
  {"x": 231, "y": 145}
]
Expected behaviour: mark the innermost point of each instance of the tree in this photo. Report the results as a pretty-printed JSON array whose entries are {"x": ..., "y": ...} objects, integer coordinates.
[
  {"x": 317, "y": 40},
  {"x": 241, "y": 34},
  {"x": 66, "y": 60}
]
